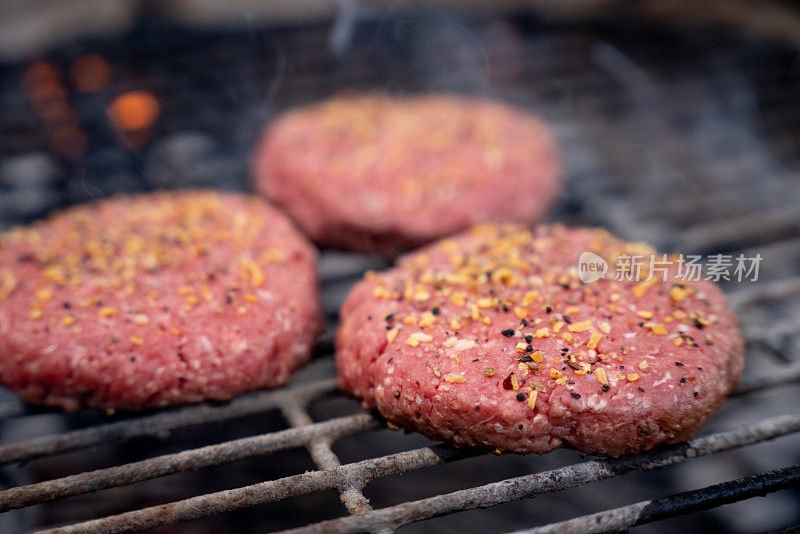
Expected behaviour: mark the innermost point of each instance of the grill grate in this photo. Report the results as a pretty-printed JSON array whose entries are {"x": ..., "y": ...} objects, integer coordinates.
[{"x": 662, "y": 144}]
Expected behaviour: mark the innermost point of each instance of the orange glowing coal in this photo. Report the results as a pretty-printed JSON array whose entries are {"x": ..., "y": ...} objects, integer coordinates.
[{"x": 135, "y": 110}]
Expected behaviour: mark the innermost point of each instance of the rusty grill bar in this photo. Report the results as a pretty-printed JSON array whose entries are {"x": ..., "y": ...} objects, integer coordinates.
[{"x": 609, "y": 91}]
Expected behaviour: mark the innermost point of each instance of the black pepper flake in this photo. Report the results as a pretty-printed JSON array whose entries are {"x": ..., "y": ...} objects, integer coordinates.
[
  {"x": 477, "y": 408},
  {"x": 228, "y": 299},
  {"x": 390, "y": 360},
  {"x": 508, "y": 332},
  {"x": 66, "y": 305},
  {"x": 641, "y": 389},
  {"x": 521, "y": 397},
  {"x": 622, "y": 367},
  {"x": 567, "y": 319},
  {"x": 114, "y": 339},
  {"x": 698, "y": 324},
  {"x": 528, "y": 348},
  {"x": 641, "y": 324},
  {"x": 528, "y": 338},
  {"x": 506, "y": 308},
  {"x": 396, "y": 394},
  {"x": 389, "y": 318},
  {"x": 683, "y": 380},
  {"x": 548, "y": 309},
  {"x": 133, "y": 358},
  {"x": 699, "y": 368},
  {"x": 369, "y": 317},
  {"x": 573, "y": 364},
  {"x": 476, "y": 360},
  {"x": 679, "y": 364},
  {"x": 571, "y": 382},
  {"x": 605, "y": 387},
  {"x": 695, "y": 394},
  {"x": 575, "y": 395},
  {"x": 524, "y": 359},
  {"x": 524, "y": 322}
]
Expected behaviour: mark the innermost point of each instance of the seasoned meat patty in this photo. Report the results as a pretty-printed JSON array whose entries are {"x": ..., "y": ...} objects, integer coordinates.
[
  {"x": 385, "y": 174},
  {"x": 490, "y": 339},
  {"x": 154, "y": 300}
]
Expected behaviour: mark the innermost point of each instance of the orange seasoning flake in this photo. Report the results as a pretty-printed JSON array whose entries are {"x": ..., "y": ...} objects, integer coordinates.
[
  {"x": 594, "y": 339},
  {"x": 581, "y": 326},
  {"x": 600, "y": 375}
]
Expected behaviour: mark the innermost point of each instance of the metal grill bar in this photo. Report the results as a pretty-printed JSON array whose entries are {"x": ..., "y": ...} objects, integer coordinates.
[
  {"x": 317, "y": 437},
  {"x": 153, "y": 424},
  {"x": 784, "y": 378},
  {"x": 223, "y": 453},
  {"x": 555, "y": 479},
  {"x": 274, "y": 490},
  {"x": 778, "y": 289},
  {"x": 324, "y": 457},
  {"x": 678, "y": 504}
]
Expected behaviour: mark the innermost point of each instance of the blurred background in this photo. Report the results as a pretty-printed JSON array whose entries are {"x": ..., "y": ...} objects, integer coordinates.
[{"x": 679, "y": 123}]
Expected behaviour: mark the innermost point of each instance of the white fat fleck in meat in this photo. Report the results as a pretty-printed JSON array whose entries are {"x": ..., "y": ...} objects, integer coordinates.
[
  {"x": 629, "y": 335},
  {"x": 50, "y": 349},
  {"x": 463, "y": 344},
  {"x": 239, "y": 346},
  {"x": 205, "y": 344},
  {"x": 666, "y": 377},
  {"x": 596, "y": 403}
]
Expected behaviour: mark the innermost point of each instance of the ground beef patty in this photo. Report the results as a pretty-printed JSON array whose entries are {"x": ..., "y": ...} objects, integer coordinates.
[
  {"x": 383, "y": 174},
  {"x": 154, "y": 300},
  {"x": 490, "y": 339}
]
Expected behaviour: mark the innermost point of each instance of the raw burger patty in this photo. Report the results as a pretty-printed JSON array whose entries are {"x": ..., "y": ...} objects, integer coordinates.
[
  {"x": 155, "y": 300},
  {"x": 383, "y": 174},
  {"x": 490, "y": 339}
]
